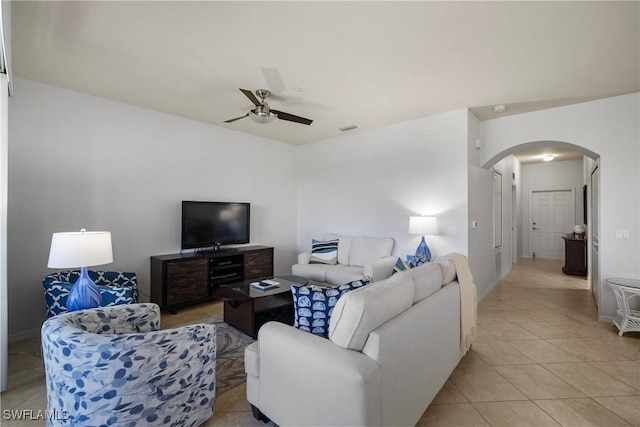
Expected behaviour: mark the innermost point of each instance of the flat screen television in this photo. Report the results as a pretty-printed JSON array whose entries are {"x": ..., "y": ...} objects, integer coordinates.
[{"x": 210, "y": 225}]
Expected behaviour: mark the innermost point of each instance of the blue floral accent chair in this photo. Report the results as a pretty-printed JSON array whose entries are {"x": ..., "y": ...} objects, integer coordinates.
[
  {"x": 112, "y": 366},
  {"x": 116, "y": 287}
]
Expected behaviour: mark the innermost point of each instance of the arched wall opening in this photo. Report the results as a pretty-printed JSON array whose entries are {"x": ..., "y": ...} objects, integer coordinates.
[
  {"x": 514, "y": 223},
  {"x": 607, "y": 130},
  {"x": 535, "y": 144}
]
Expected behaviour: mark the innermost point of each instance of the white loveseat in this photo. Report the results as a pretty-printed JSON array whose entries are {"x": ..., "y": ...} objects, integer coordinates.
[
  {"x": 358, "y": 256},
  {"x": 392, "y": 345}
]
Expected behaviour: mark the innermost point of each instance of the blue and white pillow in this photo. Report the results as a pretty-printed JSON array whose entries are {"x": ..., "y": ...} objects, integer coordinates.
[
  {"x": 313, "y": 305},
  {"x": 400, "y": 266},
  {"x": 56, "y": 294},
  {"x": 324, "y": 252},
  {"x": 417, "y": 260}
]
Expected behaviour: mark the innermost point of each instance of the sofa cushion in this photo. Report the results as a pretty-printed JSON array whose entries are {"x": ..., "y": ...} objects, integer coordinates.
[
  {"x": 359, "y": 312},
  {"x": 341, "y": 274},
  {"x": 310, "y": 271},
  {"x": 367, "y": 250},
  {"x": 313, "y": 305},
  {"x": 344, "y": 246},
  {"x": 427, "y": 279},
  {"x": 324, "y": 251}
]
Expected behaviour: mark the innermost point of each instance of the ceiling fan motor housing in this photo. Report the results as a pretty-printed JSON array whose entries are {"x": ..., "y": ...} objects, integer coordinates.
[{"x": 262, "y": 114}]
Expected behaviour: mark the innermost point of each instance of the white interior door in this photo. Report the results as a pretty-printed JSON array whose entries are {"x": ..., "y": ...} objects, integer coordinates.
[
  {"x": 594, "y": 225},
  {"x": 552, "y": 214}
]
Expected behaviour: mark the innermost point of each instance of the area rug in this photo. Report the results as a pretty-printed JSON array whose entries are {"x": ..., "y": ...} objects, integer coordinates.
[{"x": 230, "y": 345}]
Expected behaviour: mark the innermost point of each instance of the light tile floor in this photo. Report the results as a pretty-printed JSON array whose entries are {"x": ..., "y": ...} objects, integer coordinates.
[{"x": 541, "y": 358}]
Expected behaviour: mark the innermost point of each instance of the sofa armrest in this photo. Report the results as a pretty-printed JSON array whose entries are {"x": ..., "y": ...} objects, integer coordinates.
[
  {"x": 304, "y": 258},
  {"x": 293, "y": 363},
  {"x": 381, "y": 269}
]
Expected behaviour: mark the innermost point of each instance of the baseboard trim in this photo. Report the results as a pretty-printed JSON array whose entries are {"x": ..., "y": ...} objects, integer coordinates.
[
  {"x": 489, "y": 289},
  {"x": 605, "y": 319},
  {"x": 25, "y": 335}
]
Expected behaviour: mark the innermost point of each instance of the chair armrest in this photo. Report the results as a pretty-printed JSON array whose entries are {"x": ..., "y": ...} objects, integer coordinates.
[
  {"x": 381, "y": 269},
  {"x": 117, "y": 319},
  {"x": 304, "y": 258},
  {"x": 293, "y": 363}
]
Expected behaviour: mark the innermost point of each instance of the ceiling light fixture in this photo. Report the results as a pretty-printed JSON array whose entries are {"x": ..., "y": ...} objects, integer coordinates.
[
  {"x": 500, "y": 108},
  {"x": 548, "y": 157},
  {"x": 262, "y": 115},
  {"x": 349, "y": 127}
]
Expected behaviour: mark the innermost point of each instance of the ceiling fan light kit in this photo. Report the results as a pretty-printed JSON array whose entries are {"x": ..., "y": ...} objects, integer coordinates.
[{"x": 262, "y": 114}]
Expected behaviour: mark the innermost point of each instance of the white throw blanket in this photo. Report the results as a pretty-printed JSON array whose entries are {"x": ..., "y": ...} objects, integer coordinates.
[{"x": 468, "y": 301}]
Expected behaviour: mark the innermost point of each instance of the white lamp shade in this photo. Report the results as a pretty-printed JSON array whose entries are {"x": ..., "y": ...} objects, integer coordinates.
[
  {"x": 423, "y": 225},
  {"x": 80, "y": 249}
]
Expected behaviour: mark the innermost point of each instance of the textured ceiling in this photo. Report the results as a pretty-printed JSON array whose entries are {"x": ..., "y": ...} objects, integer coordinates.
[{"x": 366, "y": 63}]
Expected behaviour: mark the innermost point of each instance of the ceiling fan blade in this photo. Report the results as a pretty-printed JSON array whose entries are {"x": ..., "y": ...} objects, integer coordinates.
[
  {"x": 251, "y": 97},
  {"x": 292, "y": 118},
  {"x": 237, "y": 118}
]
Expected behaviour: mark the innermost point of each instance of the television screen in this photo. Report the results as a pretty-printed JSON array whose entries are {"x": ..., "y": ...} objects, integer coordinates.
[{"x": 211, "y": 224}]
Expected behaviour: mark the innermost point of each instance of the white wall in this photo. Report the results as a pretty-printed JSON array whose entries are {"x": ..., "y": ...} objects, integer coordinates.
[
  {"x": 80, "y": 161},
  {"x": 4, "y": 303},
  {"x": 482, "y": 253},
  {"x": 480, "y": 197},
  {"x": 369, "y": 183},
  {"x": 555, "y": 175},
  {"x": 610, "y": 128}
]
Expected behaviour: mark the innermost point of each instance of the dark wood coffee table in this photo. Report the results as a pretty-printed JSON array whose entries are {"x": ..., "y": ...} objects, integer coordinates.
[{"x": 247, "y": 309}]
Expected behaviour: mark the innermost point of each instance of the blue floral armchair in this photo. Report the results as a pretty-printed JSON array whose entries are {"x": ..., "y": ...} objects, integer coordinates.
[
  {"x": 116, "y": 287},
  {"x": 113, "y": 366}
]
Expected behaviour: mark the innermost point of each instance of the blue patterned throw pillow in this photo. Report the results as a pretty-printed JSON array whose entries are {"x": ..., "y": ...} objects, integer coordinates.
[
  {"x": 400, "y": 266},
  {"x": 324, "y": 252},
  {"x": 56, "y": 294},
  {"x": 418, "y": 260},
  {"x": 313, "y": 305}
]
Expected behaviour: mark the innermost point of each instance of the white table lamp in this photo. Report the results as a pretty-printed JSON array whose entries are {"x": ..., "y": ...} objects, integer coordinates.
[
  {"x": 423, "y": 225},
  {"x": 81, "y": 250}
]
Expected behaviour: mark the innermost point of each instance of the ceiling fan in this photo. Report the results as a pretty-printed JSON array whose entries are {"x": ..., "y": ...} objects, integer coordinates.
[{"x": 263, "y": 113}]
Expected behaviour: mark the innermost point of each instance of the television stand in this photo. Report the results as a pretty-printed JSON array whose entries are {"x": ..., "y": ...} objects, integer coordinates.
[
  {"x": 214, "y": 249},
  {"x": 179, "y": 280}
]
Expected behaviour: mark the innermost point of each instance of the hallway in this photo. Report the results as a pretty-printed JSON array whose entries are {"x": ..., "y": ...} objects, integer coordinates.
[{"x": 541, "y": 358}]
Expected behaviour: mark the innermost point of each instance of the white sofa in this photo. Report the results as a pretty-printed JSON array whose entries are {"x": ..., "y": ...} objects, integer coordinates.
[
  {"x": 358, "y": 256},
  {"x": 392, "y": 345}
]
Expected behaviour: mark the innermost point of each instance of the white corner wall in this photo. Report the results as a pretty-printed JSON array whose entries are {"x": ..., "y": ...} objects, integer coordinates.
[
  {"x": 488, "y": 263},
  {"x": 4, "y": 177},
  {"x": 610, "y": 128},
  {"x": 566, "y": 175},
  {"x": 80, "y": 161},
  {"x": 370, "y": 182}
]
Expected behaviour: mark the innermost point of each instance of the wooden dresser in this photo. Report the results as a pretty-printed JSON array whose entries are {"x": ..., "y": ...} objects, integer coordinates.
[{"x": 575, "y": 255}]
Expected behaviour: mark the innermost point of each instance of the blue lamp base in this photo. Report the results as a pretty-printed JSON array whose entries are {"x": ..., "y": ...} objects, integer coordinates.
[
  {"x": 423, "y": 252},
  {"x": 84, "y": 293}
]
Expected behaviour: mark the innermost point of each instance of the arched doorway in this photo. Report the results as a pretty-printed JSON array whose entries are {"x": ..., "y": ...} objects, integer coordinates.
[{"x": 523, "y": 198}]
